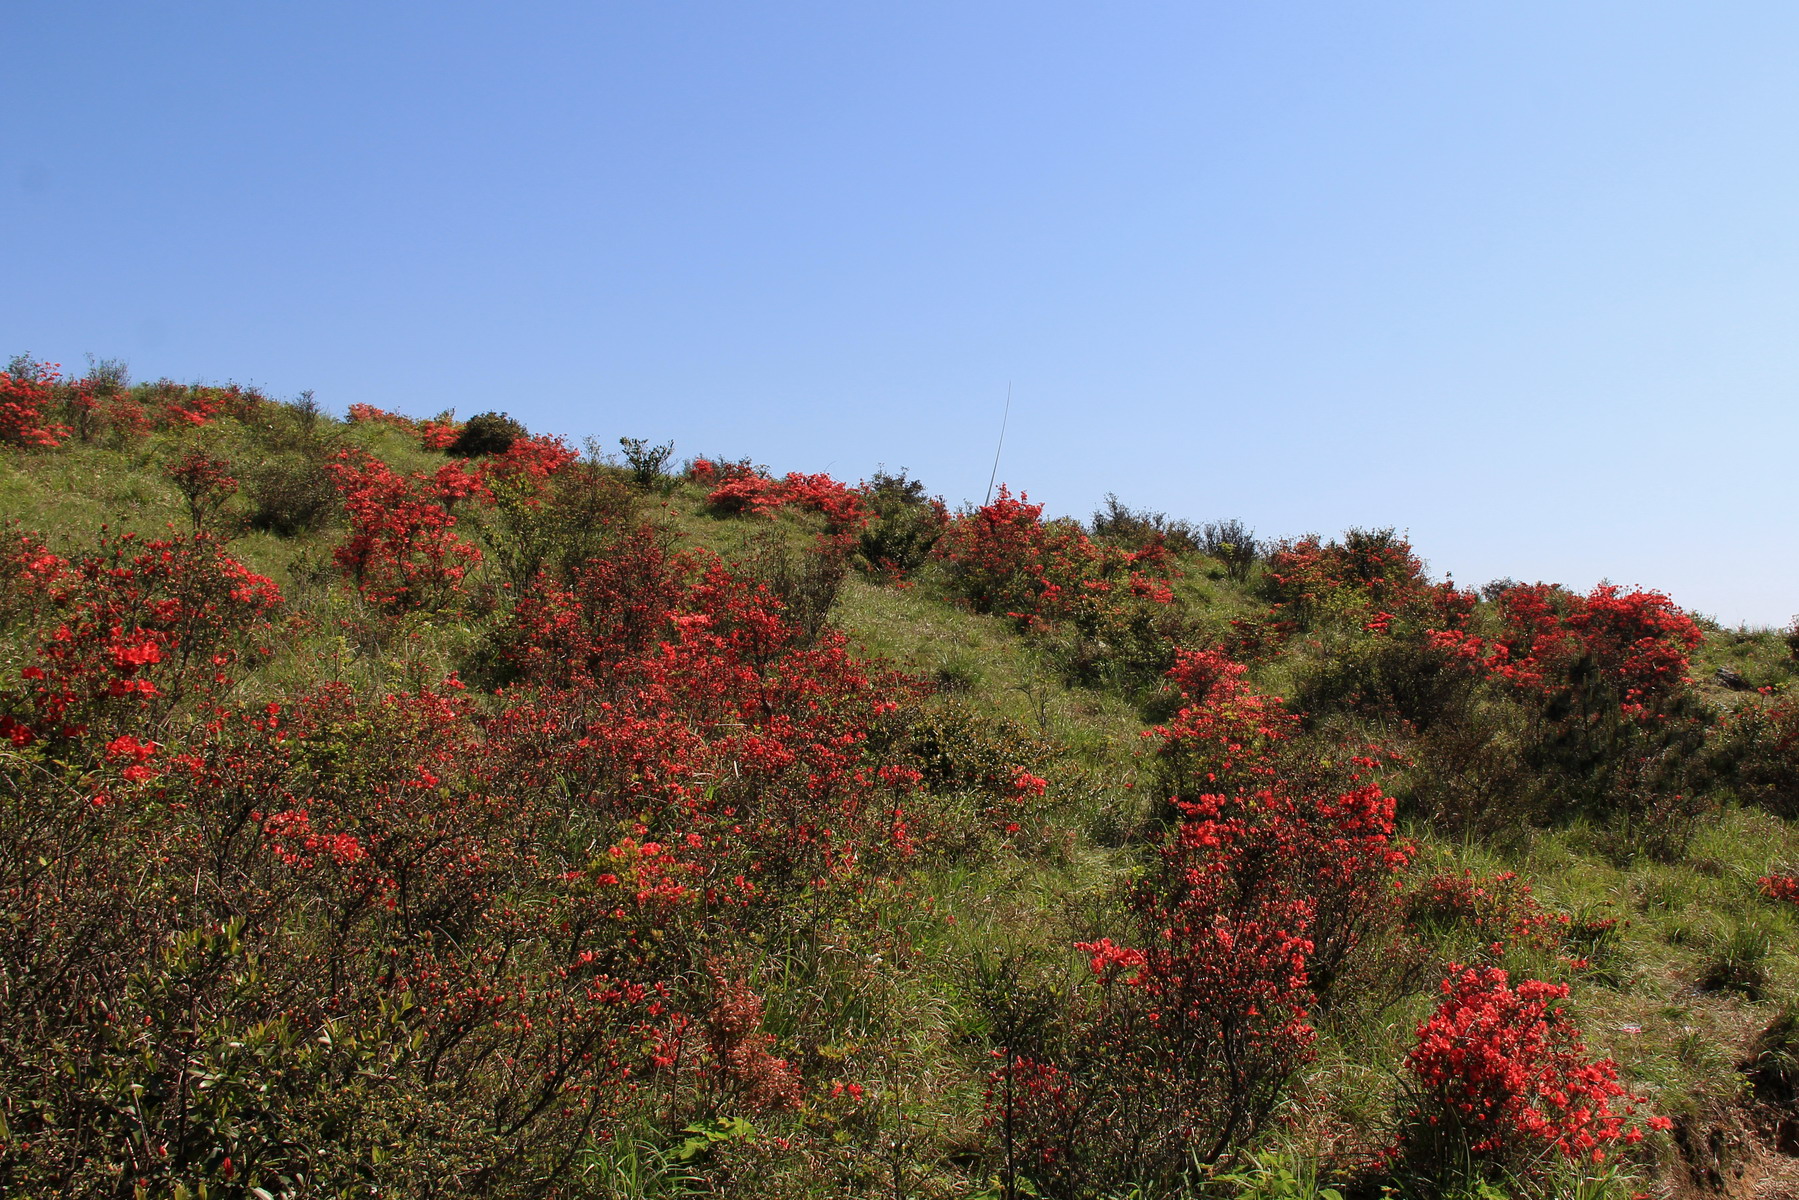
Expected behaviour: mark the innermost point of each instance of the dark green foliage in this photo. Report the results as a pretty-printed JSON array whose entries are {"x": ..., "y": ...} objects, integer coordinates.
[
  {"x": 903, "y": 522},
  {"x": 1136, "y": 529},
  {"x": 645, "y": 462},
  {"x": 585, "y": 513},
  {"x": 963, "y": 749},
  {"x": 1396, "y": 682},
  {"x": 1757, "y": 753},
  {"x": 486, "y": 433},
  {"x": 283, "y": 478},
  {"x": 1125, "y": 647},
  {"x": 1232, "y": 543}
]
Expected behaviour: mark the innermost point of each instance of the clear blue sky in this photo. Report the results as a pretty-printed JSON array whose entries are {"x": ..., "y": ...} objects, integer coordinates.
[{"x": 1518, "y": 277}]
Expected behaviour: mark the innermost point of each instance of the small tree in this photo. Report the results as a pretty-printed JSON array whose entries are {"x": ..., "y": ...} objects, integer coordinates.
[
  {"x": 204, "y": 482},
  {"x": 646, "y": 462}
]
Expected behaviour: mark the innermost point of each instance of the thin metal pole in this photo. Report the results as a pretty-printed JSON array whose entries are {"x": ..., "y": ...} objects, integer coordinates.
[{"x": 1002, "y": 443}]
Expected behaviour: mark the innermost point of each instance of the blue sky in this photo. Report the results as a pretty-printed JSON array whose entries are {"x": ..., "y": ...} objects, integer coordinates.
[{"x": 1519, "y": 278}]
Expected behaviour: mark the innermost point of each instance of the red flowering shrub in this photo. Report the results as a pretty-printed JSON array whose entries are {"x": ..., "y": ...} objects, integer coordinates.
[
  {"x": 410, "y": 952},
  {"x": 23, "y": 404},
  {"x": 1004, "y": 558},
  {"x": 1503, "y": 1073},
  {"x": 1369, "y": 569},
  {"x": 401, "y": 550},
  {"x": 741, "y": 488},
  {"x": 667, "y": 688},
  {"x": 1199, "y": 1028},
  {"x": 1260, "y": 896},
  {"x": 1637, "y": 643},
  {"x": 433, "y": 433},
  {"x": 1607, "y": 719},
  {"x": 120, "y": 638},
  {"x": 1222, "y": 740},
  {"x": 526, "y": 460}
]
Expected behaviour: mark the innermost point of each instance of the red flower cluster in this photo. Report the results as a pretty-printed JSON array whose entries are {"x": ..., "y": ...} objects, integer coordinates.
[
  {"x": 1005, "y": 558},
  {"x": 1507, "y": 1069},
  {"x": 1222, "y": 739},
  {"x": 664, "y": 685},
  {"x": 127, "y": 632},
  {"x": 740, "y": 488},
  {"x": 24, "y": 420},
  {"x": 435, "y": 433},
  {"x": 402, "y": 551},
  {"x": 1639, "y": 642},
  {"x": 1781, "y": 887},
  {"x": 1260, "y": 895}
]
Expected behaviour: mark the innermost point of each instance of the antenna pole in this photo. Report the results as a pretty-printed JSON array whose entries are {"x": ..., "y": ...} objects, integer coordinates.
[{"x": 1002, "y": 441}]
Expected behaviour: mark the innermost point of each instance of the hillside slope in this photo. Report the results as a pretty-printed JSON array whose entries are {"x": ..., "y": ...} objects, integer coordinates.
[{"x": 400, "y": 806}]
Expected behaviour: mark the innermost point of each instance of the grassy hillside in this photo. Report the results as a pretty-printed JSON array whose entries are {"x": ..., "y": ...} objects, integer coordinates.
[{"x": 399, "y": 806}]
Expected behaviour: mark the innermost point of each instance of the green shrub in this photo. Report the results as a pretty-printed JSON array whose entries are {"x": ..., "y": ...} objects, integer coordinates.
[
  {"x": 1232, "y": 543},
  {"x": 805, "y": 581},
  {"x": 584, "y": 513},
  {"x": 1137, "y": 529},
  {"x": 1756, "y": 750},
  {"x": 903, "y": 522},
  {"x": 645, "y": 462},
  {"x": 486, "y": 433}
]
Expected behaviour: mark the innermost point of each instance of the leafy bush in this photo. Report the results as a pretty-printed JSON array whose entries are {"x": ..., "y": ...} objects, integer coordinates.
[
  {"x": 739, "y": 488},
  {"x": 1232, "y": 543},
  {"x": 120, "y": 641},
  {"x": 805, "y": 582},
  {"x": 555, "y": 520},
  {"x": 401, "y": 551},
  {"x": 1258, "y": 899},
  {"x": 486, "y": 433},
  {"x": 290, "y": 494},
  {"x": 1138, "y": 529},
  {"x": 206, "y": 483},
  {"x": 645, "y": 462},
  {"x": 903, "y": 523},
  {"x": 24, "y": 402},
  {"x": 1756, "y": 750}
]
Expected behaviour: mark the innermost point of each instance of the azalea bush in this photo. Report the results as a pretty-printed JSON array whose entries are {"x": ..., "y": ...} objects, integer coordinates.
[
  {"x": 1504, "y": 1079},
  {"x": 1264, "y": 890},
  {"x": 402, "y": 551},
  {"x": 126, "y": 639},
  {"x": 25, "y": 400},
  {"x": 1104, "y": 612}
]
